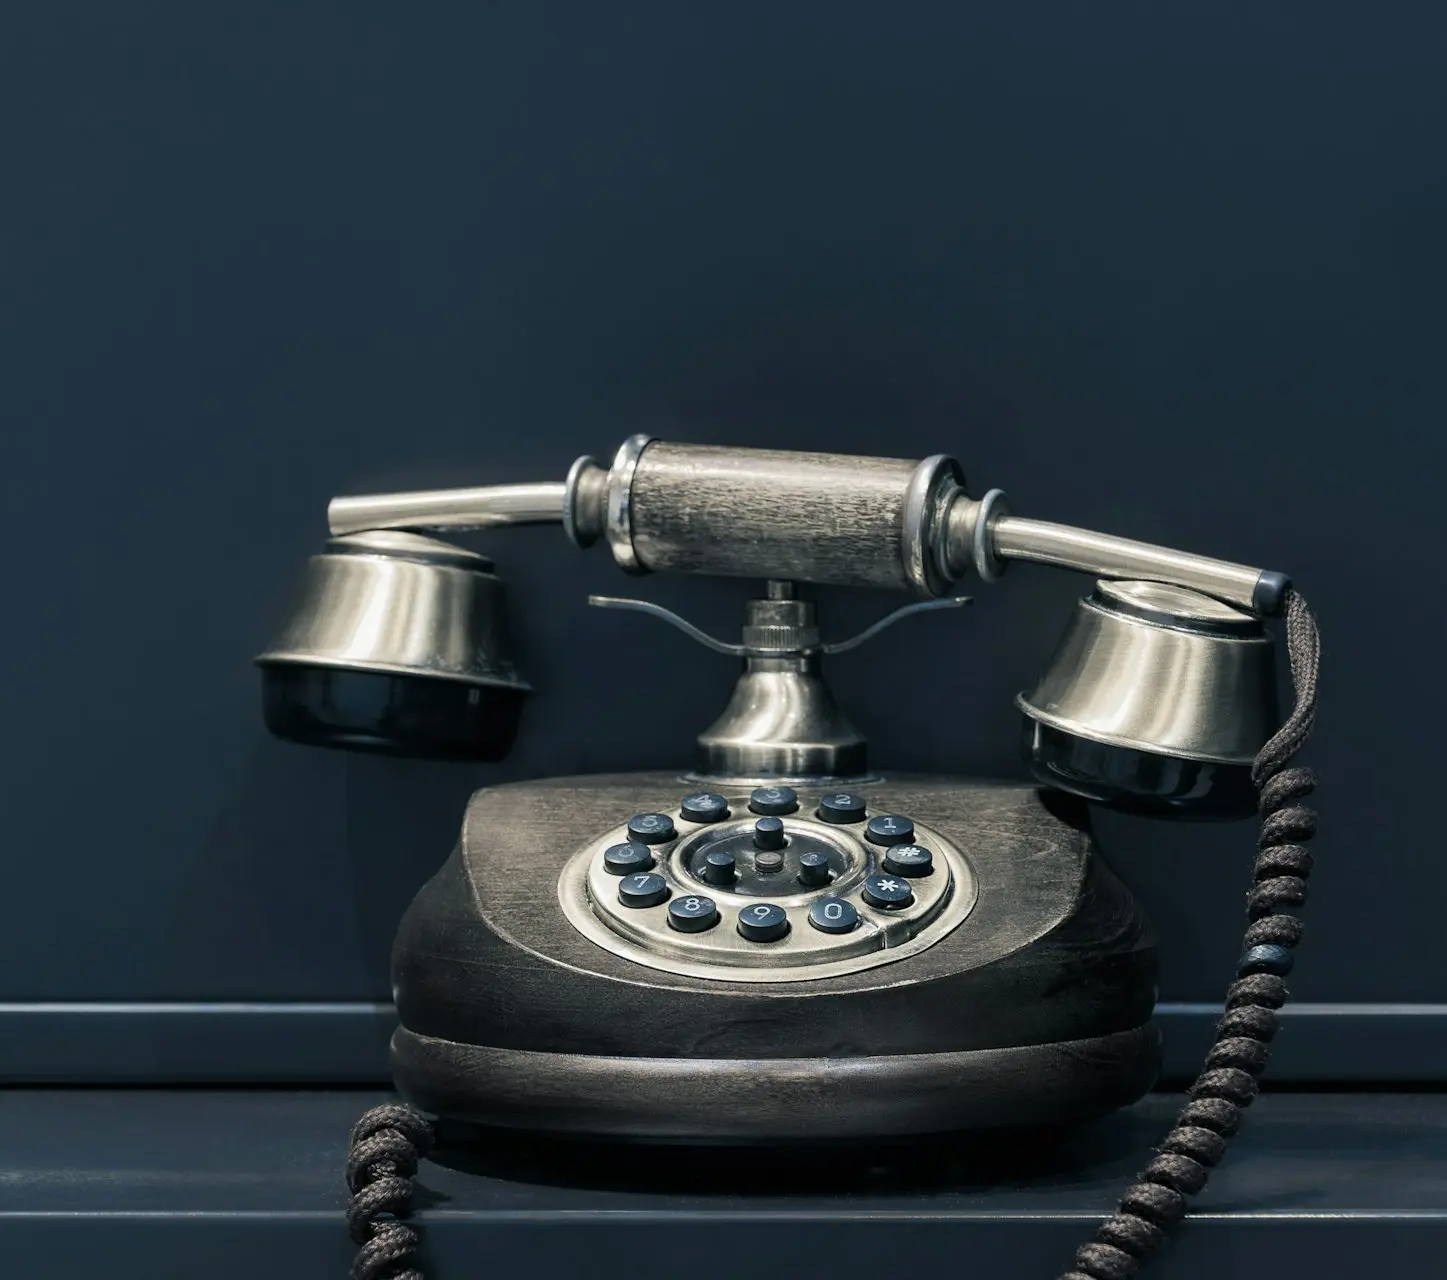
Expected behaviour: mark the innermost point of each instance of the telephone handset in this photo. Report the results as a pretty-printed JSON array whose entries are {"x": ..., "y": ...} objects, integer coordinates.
[{"x": 783, "y": 942}]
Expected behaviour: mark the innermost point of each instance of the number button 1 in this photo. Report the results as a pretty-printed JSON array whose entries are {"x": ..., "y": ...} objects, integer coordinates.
[
  {"x": 763, "y": 922},
  {"x": 833, "y": 915}
]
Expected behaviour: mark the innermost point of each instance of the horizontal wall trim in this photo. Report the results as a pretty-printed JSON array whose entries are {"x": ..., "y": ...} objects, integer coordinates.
[{"x": 319, "y": 1042}]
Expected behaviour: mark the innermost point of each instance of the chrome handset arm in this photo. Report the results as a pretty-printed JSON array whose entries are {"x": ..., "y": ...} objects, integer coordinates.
[{"x": 808, "y": 517}]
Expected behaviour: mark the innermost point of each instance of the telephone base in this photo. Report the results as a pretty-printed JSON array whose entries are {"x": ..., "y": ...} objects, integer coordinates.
[
  {"x": 1022, "y": 998},
  {"x": 735, "y": 1101}
]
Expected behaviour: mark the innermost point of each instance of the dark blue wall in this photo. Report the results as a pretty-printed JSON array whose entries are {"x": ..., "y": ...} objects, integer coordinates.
[{"x": 1172, "y": 270}]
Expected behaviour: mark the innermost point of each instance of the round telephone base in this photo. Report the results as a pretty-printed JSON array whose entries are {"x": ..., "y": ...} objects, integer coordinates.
[
  {"x": 752, "y": 1101},
  {"x": 1033, "y": 1007}
]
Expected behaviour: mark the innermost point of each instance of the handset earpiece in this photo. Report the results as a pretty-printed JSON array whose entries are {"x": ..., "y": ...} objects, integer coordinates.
[
  {"x": 397, "y": 645},
  {"x": 1157, "y": 700}
]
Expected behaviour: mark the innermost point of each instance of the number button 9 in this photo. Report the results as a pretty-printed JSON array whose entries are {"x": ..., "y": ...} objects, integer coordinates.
[{"x": 763, "y": 922}]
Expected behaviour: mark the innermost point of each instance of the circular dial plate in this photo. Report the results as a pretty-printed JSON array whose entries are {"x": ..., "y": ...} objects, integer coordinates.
[{"x": 940, "y": 901}]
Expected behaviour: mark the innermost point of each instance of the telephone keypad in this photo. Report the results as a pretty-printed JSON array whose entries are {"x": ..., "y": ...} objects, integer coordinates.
[{"x": 708, "y": 896}]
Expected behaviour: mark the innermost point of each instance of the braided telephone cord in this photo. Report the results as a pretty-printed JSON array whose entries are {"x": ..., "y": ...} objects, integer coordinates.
[
  {"x": 1227, "y": 1084},
  {"x": 387, "y": 1143}
]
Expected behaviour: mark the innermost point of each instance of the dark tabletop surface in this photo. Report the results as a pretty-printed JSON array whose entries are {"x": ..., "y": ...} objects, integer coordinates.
[{"x": 165, "y": 1182}]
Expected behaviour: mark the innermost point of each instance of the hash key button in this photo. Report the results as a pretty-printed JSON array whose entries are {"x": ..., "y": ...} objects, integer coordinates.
[{"x": 910, "y": 860}]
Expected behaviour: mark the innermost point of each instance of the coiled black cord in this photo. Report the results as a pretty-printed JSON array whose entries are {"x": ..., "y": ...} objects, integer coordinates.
[
  {"x": 387, "y": 1143},
  {"x": 1227, "y": 1084},
  {"x": 389, "y": 1140}
]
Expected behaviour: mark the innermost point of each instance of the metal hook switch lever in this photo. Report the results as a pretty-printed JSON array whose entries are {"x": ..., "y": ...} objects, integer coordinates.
[
  {"x": 740, "y": 650},
  {"x": 889, "y": 619}
]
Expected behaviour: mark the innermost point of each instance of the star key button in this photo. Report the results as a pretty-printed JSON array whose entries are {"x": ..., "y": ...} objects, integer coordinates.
[{"x": 888, "y": 893}]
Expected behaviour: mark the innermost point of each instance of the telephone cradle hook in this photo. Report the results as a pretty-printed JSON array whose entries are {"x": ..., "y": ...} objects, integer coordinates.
[{"x": 775, "y": 636}]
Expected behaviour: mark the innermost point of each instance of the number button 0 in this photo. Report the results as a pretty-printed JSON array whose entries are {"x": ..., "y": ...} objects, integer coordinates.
[
  {"x": 833, "y": 915},
  {"x": 763, "y": 922}
]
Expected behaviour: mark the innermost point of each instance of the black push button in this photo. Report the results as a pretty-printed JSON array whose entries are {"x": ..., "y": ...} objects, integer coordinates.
[
  {"x": 763, "y": 922},
  {"x": 813, "y": 870},
  {"x": 833, "y": 915},
  {"x": 718, "y": 868},
  {"x": 704, "y": 807},
  {"x": 650, "y": 828},
  {"x": 625, "y": 859},
  {"x": 769, "y": 833},
  {"x": 909, "y": 860},
  {"x": 887, "y": 892},
  {"x": 774, "y": 800},
  {"x": 692, "y": 915},
  {"x": 642, "y": 890},
  {"x": 841, "y": 807},
  {"x": 768, "y": 862},
  {"x": 889, "y": 829}
]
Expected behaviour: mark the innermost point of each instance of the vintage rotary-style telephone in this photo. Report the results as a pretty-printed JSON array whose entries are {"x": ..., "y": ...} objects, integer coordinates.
[{"x": 786, "y": 943}]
